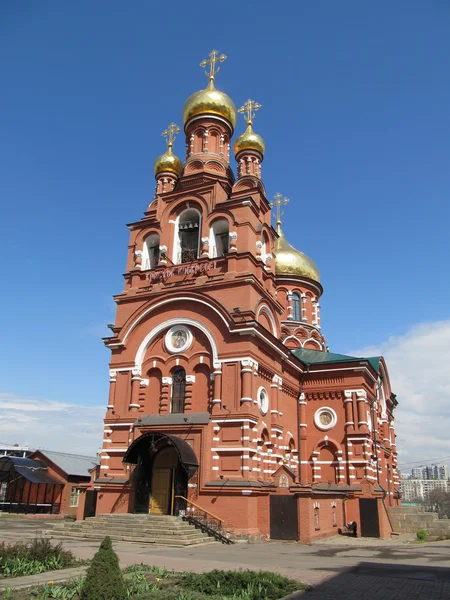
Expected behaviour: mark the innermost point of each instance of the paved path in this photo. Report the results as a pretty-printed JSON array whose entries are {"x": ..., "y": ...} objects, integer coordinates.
[{"x": 337, "y": 569}]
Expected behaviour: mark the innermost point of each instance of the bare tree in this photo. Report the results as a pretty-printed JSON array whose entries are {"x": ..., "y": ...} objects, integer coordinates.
[{"x": 438, "y": 501}]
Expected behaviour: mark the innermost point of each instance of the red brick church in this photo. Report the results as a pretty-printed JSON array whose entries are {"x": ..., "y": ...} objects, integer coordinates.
[{"x": 223, "y": 392}]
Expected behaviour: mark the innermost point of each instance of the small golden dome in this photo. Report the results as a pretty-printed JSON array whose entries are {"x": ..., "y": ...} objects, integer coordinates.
[
  {"x": 249, "y": 140},
  {"x": 290, "y": 261},
  {"x": 168, "y": 162},
  {"x": 210, "y": 101}
]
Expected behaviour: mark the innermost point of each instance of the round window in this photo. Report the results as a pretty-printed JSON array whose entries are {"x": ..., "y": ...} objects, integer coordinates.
[
  {"x": 325, "y": 418},
  {"x": 178, "y": 339},
  {"x": 263, "y": 401}
]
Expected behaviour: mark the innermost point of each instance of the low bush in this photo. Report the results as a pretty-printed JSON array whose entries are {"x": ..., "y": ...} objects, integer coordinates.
[
  {"x": 104, "y": 579},
  {"x": 251, "y": 585},
  {"x": 422, "y": 535},
  {"x": 30, "y": 558}
]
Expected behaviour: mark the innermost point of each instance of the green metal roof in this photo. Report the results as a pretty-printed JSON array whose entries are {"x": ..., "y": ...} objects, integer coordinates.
[{"x": 317, "y": 357}]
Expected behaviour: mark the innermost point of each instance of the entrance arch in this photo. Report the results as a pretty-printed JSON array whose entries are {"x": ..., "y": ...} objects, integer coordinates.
[{"x": 164, "y": 464}]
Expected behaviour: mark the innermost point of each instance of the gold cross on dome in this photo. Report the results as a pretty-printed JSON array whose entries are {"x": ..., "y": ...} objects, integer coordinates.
[
  {"x": 170, "y": 133},
  {"x": 249, "y": 109},
  {"x": 214, "y": 57},
  {"x": 278, "y": 202}
]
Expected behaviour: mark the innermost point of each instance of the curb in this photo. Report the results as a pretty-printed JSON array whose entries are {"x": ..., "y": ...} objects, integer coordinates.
[{"x": 22, "y": 583}]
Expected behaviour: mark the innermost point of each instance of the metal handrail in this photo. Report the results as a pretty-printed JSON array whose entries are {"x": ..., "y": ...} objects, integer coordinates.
[{"x": 202, "y": 509}]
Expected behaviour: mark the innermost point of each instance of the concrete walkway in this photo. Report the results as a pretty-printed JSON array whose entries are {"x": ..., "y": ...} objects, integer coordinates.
[{"x": 339, "y": 568}]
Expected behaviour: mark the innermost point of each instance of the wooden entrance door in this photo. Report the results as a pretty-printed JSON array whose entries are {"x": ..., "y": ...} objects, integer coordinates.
[
  {"x": 163, "y": 480},
  {"x": 161, "y": 492}
]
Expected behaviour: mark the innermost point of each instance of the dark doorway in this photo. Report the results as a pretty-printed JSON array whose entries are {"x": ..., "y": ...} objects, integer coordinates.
[
  {"x": 164, "y": 465},
  {"x": 283, "y": 518},
  {"x": 90, "y": 504},
  {"x": 368, "y": 513},
  {"x": 142, "y": 483}
]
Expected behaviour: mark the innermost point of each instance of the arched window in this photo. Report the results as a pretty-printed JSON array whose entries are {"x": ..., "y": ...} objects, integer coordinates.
[
  {"x": 150, "y": 257},
  {"x": 187, "y": 236},
  {"x": 220, "y": 238},
  {"x": 296, "y": 307},
  {"x": 178, "y": 390}
]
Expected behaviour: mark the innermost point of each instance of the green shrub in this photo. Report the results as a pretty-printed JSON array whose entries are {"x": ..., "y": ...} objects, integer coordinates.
[
  {"x": 252, "y": 585},
  {"x": 104, "y": 580},
  {"x": 422, "y": 535},
  {"x": 30, "y": 558}
]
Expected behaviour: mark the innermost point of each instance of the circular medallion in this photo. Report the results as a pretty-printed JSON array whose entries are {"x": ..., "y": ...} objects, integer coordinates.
[
  {"x": 178, "y": 339},
  {"x": 325, "y": 418},
  {"x": 263, "y": 401}
]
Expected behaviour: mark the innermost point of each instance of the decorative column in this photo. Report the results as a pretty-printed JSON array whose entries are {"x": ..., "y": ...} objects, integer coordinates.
[
  {"x": 302, "y": 435},
  {"x": 162, "y": 256},
  {"x": 361, "y": 400},
  {"x": 138, "y": 259},
  {"x": 190, "y": 379},
  {"x": 259, "y": 246},
  {"x": 112, "y": 389},
  {"x": 205, "y": 140},
  {"x": 164, "y": 408},
  {"x": 316, "y": 467},
  {"x": 135, "y": 385},
  {"x": 233, "y": 241},
  {"x": 267, "y": 266},
  {"x": 290, "y": 315},
  {"x": 340, "y": 467},
  {"x": 276, "y": 381},
  {"x": 205, "y": 246},
  {"x": 246, "y": 378},
  {"x": 217, "y": 388},
  {"x": 303, "y": 315},
  {"x": 349, "y": 420}
]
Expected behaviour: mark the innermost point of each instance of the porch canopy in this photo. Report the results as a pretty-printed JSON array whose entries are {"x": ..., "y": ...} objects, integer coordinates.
[
  {"x": 151, "y": 442},
  {"x": 27, "y": 487}
]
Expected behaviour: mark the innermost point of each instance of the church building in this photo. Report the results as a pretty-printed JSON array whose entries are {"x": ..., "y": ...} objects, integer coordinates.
[{"x": 224, "y": 396}]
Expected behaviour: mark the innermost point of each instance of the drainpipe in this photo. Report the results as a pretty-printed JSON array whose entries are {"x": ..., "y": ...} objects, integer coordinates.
[
  {"x": 305, "y": 374},
  {"x": 375, "y": 442}
]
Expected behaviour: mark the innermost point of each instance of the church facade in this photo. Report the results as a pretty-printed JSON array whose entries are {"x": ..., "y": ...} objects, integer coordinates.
[{"x": 223, "y": 393}]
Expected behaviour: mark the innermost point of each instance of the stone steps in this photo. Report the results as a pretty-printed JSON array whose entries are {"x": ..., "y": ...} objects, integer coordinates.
[{"x": 147, "y": 529}]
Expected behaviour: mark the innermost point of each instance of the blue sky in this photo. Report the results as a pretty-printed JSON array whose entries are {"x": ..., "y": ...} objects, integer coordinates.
[{"x": 355, "y": 116}]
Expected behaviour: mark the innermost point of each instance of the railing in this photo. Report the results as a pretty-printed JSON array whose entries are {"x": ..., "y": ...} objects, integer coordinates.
[
  {"x": 204, "y": 520},
  {"x": 186, "y": 256}
]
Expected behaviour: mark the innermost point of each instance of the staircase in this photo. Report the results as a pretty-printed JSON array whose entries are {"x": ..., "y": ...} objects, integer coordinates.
[{"x": 162, "y": 530}]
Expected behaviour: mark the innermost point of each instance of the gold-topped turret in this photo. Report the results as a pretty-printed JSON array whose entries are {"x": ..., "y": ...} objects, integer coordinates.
[
  {"x": 168, "y": 162},
  {"x": 289, "y": 260},
  {"x": 210, "y": 101},
  {"x": 249, "y": 140}
]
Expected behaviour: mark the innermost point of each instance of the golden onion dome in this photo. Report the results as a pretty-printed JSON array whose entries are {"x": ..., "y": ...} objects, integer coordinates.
[
  {"x": 210, "y": 101},
  {"x": 168, "y": 163},
  {"x": 249, "y": 140},
  {"x": 290, "y": 261}
]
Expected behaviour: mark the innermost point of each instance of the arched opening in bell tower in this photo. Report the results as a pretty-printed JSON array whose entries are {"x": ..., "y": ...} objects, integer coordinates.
[
  {"x": 220, "y": 238},
  {"x": 187, "y": 236}
]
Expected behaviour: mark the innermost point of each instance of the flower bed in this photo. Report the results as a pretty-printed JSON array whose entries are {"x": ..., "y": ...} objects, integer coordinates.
[
  {"x": 31, "y": 558},
  {"x": 144, "y": 582}
]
